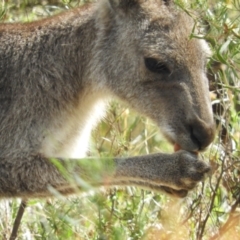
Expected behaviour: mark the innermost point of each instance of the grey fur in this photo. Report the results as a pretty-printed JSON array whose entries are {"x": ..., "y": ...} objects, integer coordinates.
[{"x": 57, "y": 75}]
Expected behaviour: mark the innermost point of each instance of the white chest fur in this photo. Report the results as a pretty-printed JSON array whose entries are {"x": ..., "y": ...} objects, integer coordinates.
[{"x": 69, "y": 137}]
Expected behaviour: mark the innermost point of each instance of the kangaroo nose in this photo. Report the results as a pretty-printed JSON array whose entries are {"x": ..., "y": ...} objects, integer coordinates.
[{"x": 202, "y": 134}]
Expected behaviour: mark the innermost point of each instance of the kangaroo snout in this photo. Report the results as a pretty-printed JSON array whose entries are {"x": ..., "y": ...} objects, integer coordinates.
[{"x": 202, "y": 133}]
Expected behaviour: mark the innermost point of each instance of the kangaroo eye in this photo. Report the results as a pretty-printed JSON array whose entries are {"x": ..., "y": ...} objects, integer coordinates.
[
  {"x": 155, "y": 66},
  {"x": 166, "y": 2}
]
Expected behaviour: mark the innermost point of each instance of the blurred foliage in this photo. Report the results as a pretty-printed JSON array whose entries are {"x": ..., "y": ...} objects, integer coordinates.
[{"x": 211, "y": 211}]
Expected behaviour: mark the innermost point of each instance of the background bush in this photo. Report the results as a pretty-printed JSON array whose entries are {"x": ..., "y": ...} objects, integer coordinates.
[{"x": 211, "y": 211}]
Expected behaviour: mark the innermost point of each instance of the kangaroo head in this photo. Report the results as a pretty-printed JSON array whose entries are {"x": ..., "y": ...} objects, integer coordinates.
[{"x": 156, "y": 68}]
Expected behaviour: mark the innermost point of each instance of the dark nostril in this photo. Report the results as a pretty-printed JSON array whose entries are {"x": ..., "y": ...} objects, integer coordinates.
[
  {"x": 202, "y": 134},
  {"x": 194, "y": 138}
]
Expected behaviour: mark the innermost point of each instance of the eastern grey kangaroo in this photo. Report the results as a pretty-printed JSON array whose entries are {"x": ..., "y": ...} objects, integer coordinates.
[{"x": 58, "y": 74}]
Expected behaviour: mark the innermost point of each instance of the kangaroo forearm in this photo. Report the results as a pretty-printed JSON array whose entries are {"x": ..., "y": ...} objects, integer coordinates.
[
  {"x": 87, "y": 171},
  {"x": 157, "y": 168},
  {"x": 174, "y": 173},
  {"x": 149, "y": 171},
  {"x": 67, "y": 175},
  {"x": 142, "y": 171}
]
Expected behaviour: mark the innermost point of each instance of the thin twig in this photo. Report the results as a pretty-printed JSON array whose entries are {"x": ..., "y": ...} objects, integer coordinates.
[
  {"x": 202, "y": 225},
  {"x": 18, "y": 219}
]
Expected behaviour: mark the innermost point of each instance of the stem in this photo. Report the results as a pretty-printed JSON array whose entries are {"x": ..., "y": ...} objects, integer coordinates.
[{"x": 18, "y": 219}]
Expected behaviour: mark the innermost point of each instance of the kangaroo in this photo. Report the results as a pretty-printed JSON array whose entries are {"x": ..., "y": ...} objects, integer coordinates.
[{"x": 58, "y": 74}]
